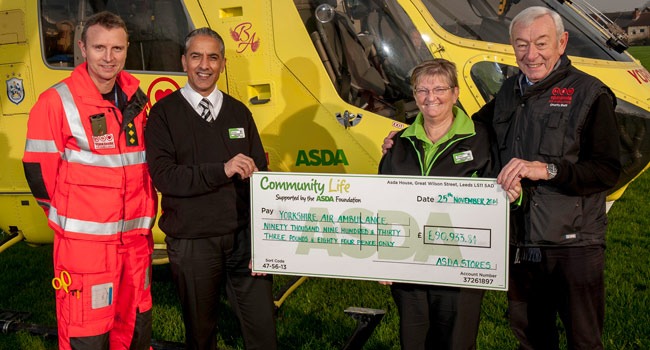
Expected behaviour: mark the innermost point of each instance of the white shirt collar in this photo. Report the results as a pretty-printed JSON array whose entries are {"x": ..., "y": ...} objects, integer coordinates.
[{"x": 193, "y": 97}]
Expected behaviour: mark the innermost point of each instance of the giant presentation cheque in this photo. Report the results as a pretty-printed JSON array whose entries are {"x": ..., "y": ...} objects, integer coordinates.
[{"x": 429, "y": 230}]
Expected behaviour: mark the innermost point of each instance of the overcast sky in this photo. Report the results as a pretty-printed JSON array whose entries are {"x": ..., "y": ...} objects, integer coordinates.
[{"x": 617, "y": 5}]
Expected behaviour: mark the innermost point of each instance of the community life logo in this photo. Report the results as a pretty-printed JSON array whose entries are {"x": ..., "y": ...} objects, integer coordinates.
[
  {"x": 309, "y": 191},
  {"x": 15, "y": 90},
  {"x": 561, "y": 97}
]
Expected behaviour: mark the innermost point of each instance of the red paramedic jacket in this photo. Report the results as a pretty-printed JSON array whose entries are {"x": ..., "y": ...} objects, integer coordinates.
[{"x": 92, "y": 184}]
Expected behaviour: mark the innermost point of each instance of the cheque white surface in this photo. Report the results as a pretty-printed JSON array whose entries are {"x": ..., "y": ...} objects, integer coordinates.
[{"x": 428, "y": 230}]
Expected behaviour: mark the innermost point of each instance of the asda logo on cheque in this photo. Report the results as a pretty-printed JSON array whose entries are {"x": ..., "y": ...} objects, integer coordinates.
[{"x": 324, "y": 157}]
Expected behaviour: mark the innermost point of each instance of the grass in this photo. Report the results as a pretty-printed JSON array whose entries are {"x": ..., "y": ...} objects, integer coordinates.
[
  {"x": 642, "y": 53},
  {"x": 313, "y": 318}
]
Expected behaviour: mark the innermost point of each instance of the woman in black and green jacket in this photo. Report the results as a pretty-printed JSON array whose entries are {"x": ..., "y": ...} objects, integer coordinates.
[{"x": 443, "y": 141}]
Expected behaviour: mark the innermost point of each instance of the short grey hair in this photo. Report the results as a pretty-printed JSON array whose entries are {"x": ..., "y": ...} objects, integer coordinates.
[
  {"x": 207, "y": 32},
  {"x": 527, "y": 16}
]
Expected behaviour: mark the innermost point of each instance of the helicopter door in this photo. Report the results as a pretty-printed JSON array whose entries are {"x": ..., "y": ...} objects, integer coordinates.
[{"x": 368, "y": 49}]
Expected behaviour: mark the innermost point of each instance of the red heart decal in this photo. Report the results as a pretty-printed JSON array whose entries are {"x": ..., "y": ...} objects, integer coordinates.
[{"x": 162, "y": 93}]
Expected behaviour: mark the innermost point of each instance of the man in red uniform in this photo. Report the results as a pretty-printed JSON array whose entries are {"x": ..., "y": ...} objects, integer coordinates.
[{"x": 85, "y": 164}]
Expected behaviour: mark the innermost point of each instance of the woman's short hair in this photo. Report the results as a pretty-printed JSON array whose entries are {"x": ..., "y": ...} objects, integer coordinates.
[{"x": 436, "y": 67}]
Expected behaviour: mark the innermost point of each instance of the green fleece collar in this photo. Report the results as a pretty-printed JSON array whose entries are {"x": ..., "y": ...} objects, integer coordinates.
[{"x": 462, "y": 125}]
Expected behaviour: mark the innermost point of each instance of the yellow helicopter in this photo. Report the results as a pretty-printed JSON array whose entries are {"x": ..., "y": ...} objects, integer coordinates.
[{"x": 326, "y": 80}]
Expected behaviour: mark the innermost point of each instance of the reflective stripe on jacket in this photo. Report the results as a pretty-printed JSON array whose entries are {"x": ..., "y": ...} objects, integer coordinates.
[{"x": 93, "y": 183}]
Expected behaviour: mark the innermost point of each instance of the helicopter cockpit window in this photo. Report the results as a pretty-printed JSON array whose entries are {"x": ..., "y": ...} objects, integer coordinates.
[
  {"x": 368, "y": 48},
  {"x": 489, "y": 76},
  {"x": 156, "y": 31},
  {"x": 489, "y": 20}
]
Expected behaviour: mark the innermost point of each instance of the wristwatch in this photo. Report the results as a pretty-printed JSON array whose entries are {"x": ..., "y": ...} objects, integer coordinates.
[{"x": 551, "y": 170}]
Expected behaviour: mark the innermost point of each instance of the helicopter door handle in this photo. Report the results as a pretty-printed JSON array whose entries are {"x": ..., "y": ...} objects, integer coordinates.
[
  {"x": 348, "y": 119},
  {"x": 259, "y": 101},
  {"x": 261, "y": 93}
]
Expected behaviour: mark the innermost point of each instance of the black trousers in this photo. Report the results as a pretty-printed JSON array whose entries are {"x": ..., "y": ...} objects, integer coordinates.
[
  {"x": 200, "y": 268},
  {"x": 569, "y": 282},
  {"x": 436, "y": 317}
]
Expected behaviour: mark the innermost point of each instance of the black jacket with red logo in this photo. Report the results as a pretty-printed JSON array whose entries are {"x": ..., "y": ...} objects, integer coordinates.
[{"x": 567, "y": 119}]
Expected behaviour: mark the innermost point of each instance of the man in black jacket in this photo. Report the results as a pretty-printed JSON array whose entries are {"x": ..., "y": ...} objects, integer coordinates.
[
  {"x": 555, "y": 130},
  {"x": 202, "y": 146}
]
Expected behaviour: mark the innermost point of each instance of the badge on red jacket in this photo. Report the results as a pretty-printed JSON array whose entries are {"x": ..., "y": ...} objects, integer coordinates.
[{"x": 101, "y": 140}]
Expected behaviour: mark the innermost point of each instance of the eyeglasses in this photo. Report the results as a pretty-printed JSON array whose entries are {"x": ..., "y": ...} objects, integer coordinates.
[{"x": 439, "y": 91}]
